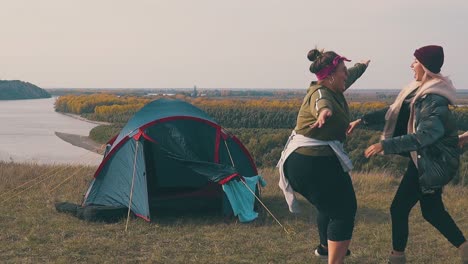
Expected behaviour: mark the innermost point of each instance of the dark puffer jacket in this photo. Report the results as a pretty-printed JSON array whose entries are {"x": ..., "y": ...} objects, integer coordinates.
[{"x": 435, "y": 141}]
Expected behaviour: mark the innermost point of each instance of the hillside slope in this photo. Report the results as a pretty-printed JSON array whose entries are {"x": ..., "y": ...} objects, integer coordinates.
[
  {"x": 16, "y": 90},
  {"x": 33, "y": 231}
]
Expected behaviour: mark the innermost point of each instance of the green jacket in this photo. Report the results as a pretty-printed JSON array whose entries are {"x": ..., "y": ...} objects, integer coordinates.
[
  {"x": 317, "y": 98},
  {"x": 435, "y": 141}
]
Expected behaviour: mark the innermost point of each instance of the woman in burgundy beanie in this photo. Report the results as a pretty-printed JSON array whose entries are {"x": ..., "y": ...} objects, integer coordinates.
[
  {"x": 431, "y": 57},
  {"x": 420, "y": 125}
]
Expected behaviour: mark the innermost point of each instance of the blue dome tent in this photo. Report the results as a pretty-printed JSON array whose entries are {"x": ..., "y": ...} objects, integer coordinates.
[{"x": 171, "y": 153}]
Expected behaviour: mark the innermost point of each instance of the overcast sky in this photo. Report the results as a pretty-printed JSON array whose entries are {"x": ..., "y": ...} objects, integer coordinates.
[{"x": 221, "y": 43}]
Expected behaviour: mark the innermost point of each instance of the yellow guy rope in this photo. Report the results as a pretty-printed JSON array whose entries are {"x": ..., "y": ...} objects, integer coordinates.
[
  {"x": 58, "y": 169},
  {"x": 277, "y": 221},
  {"x": 45, "y": 177},
  {"x": 69, "y": 177},
  {"x": 27, "y": 182},
  {"x": 284, "y": 228}
]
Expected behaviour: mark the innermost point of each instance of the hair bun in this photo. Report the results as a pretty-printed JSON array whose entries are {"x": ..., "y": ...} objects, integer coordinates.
[{"x": 314, "y": 54}]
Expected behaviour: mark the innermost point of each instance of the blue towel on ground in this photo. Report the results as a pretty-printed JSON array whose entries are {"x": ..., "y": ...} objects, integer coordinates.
[{"x": 241, "y": 199}]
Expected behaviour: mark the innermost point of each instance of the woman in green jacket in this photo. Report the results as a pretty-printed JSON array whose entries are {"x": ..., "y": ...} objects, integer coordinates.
[{"x": 314, "y": 163}]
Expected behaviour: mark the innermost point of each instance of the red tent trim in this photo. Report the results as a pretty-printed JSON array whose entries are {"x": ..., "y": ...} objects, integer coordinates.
[
  {"x": 246, "y": 152},
  {"x": 143, "y": 127},
  {"x": 217, "y": 140},
  {"x": 148, "y": 137},
  {"x": 144, "y": 217},
  {"x": 111, "y": 141},
  {"x": 228, "y": 178}
]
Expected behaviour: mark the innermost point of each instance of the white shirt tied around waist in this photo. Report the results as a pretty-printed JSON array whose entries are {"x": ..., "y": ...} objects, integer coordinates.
[{"x": 296, "y": 141}]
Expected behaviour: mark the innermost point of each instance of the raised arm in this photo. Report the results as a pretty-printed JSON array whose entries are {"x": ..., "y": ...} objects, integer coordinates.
[{"x": 355, "y": 72}]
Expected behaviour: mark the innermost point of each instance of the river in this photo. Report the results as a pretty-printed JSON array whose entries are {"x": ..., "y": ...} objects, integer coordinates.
[{"x": 27, "y": 134}]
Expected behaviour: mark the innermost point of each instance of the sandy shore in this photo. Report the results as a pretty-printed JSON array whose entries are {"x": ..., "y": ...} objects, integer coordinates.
[
  {"x": 84, "y": 119},
  {"x": 81, "y": 141}
]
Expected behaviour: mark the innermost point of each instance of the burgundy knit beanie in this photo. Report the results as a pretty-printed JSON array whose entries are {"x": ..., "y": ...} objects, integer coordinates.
[{"x": 432, "y": 57}]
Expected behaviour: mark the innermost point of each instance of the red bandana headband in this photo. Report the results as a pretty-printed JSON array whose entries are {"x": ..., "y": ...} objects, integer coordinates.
[{"x": 323, "y": 73}]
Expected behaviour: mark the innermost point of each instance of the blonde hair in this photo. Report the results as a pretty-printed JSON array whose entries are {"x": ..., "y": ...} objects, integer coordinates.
[{"x": 428, "y": 75}]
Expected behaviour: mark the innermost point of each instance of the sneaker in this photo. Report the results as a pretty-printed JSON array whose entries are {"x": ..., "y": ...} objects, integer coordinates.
[
  {"x": 464, "y": 252},
  {"x": 322, "y": 252},
  {"x": 396, "y": 259}
]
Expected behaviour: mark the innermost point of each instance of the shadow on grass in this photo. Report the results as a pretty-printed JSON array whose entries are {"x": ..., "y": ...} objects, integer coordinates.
[
  {"x": 279, "y": 208},
  {"x": 199, "y": 219},
  {"x": 276, "y": 210},
  {"x": 208, "y": 216},
  {"x": 372, "y": 215}
]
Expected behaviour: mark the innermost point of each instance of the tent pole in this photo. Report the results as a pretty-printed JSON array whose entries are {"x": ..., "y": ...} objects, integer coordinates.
[
  {"x": 232, "y": 161},
  {"x": 229, "y": 152},
  {"x": 133, "y": 182}
]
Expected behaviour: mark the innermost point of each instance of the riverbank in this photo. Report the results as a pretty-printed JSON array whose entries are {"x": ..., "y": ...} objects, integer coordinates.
[
  {"x": 28, "y": 134},
  {"x": 82, "y": 142},
  {"x": 85, "y": 120}
]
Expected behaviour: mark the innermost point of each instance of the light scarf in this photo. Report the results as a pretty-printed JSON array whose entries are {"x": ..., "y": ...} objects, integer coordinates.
[{"x": 432, "y": 84}]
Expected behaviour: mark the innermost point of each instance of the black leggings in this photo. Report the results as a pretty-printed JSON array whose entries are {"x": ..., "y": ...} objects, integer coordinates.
[
  {"x": 322, "y": 181},
  {"x": 432, "y": 207}
]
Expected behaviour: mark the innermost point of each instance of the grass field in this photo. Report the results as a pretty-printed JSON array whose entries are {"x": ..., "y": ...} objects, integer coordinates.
[{"x": 33, "y": 232}]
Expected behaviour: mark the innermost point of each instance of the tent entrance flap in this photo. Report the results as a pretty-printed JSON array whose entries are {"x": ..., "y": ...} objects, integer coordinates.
[{"x": 179, "y": 184}]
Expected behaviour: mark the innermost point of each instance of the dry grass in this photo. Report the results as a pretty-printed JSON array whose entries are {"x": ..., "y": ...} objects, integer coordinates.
[{"x": 32, "y": 231}]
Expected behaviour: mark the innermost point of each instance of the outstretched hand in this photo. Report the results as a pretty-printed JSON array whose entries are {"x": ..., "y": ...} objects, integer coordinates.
[
  {"x": 373, "y": 150},
  {"x": 323, "y": 116},
  {"x": 366, "y": 62},
  {"x": 352, "y": 126},
  {"x": 463, "y": 139}
]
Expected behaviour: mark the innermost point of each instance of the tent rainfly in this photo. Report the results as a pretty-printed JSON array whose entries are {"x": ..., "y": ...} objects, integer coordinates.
[{"x": 172, "y": 154}]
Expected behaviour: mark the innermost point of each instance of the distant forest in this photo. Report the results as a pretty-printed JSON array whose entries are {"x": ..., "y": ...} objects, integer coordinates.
[
  {"x": 274, "y": 113},
  {"x": 17, "y": 90},
  {"x": 263, "y": 125}
]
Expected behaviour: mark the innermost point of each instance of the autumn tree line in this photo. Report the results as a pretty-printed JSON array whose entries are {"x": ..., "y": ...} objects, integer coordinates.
[{"x": 263, "y": 125}]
